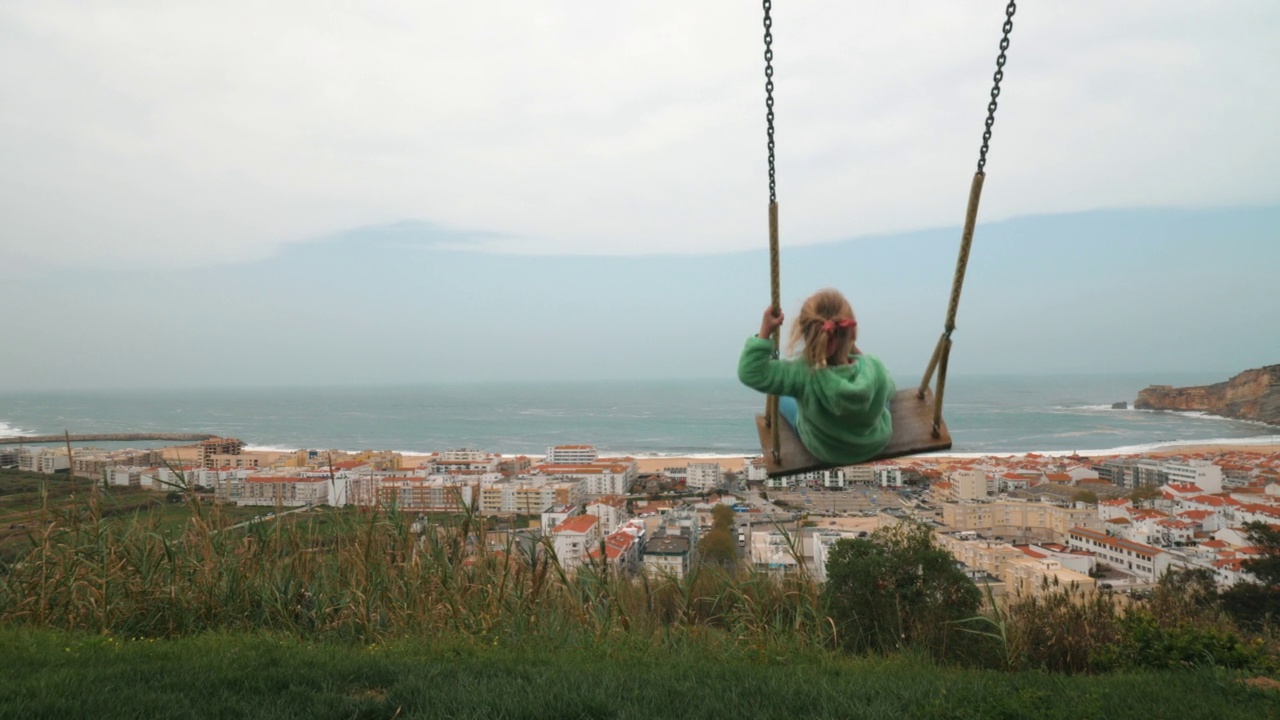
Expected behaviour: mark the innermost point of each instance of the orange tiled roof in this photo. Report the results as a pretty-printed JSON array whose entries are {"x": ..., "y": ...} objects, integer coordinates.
[{"x": 577, "y": 524}]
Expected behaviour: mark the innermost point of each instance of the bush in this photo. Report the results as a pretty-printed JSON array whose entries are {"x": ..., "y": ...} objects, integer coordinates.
[
  {"x": 1060, "y": 629},
  {"x": 1144, "y": 644},
  {"x": 896, "y": 590}
]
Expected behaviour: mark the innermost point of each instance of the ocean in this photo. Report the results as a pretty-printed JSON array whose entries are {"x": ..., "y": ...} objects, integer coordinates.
[{"x": 988, "y": 414}]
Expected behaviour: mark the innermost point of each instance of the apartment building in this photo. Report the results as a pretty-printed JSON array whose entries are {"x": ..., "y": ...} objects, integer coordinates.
[
  {"x": 888, "y": 476},
  {"x": 668, "y": 555},
  {"x": 1201, "y": 473},
  {"x": 208, "y": 451},
  {"x": 620, "y": 551},
  {"x": 571, "y": 455},
  {"x": 91, "y": 463},
  {"x": 612, "y": 511},
  {"x": 1142, "y": 561},
  {"x": 1026, "y": 520},
  {"x": 598, "y": 479},
  {"x": 463, "y": 462},
  {"x": 1026, "y": 569},
  {"x": 556, "y": 514},
  {"x": 703, "y": 476},
  {"x": 969, "y": 484},
  {"x": 574, "y": 538},
  {"x": 284, "y": 491},
  {"x": 44, "y": 460},
  {"x": 413, "y": 493},
  {"x": 755, "y": 470},
  {"x": 527, "y": 495}
]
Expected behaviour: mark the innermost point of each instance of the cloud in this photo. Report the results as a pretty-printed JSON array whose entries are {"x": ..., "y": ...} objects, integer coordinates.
[{"x": 185, "y": 135}]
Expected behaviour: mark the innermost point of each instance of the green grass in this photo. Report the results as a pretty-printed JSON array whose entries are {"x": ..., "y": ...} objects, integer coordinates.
[
  {"x": 349, "y": 613},
  {"x": 51, "y": 674}
]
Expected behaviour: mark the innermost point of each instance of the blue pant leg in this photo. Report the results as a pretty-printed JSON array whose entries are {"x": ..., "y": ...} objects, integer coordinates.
[{"x": 788, "y": 409}]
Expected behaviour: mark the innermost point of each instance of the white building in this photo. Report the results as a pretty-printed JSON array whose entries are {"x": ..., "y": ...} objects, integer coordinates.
[
  {"x": 755, "y": 470},
  {"x": 1202, "y": 473},
  {"x": 1142, "y": 561},
  {"x": 463, "y": 462},
  {"x": 823, "y": 542},
  {"x": 703, "y": 476},
  {"x": 597, "y": 479},
  {"x": 556, "y": 514},
  {"x": 44, "y": 460},
  {"x": 780, "y": 483},
  {"x": 888, "y": 476},
  {"x": 123, "y": 476},
  {"x": 620, "y": 551},
  {"x": 775, "y": 552},
  {"x": 571, "y": 455},
  {"x": 611, "y": 510},
  {"x": 834, "y": 479},
  {"x": 858, "y": 475},
  {"x": 668, "y": 555},
  {"x": 574, "y": 538},
  {"x": 969, "y": 484}
]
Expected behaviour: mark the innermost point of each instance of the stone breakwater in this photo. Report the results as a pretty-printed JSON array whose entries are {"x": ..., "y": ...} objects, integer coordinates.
[
  {"x": 1251, "y": 395},
  {"x": 114, "y": 437}
]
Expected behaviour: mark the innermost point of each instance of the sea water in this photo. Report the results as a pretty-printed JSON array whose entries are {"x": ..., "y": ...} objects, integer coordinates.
[{"x": 987, "y": 414}]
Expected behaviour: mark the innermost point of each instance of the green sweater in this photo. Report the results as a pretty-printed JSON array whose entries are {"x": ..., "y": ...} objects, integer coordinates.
[{"x": 844, "y": 410}]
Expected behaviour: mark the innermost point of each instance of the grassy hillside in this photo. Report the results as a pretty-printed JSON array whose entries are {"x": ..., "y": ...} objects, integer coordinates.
[
  {"x": 51, "y": 674},
  {"x": 108, "y": 610}
]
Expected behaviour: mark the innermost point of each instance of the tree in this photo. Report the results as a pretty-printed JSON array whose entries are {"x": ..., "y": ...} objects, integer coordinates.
[
  {"x": 1085, "y": 496},
  {"x": 722, "y": 516},
  {"x": 1254, "y": 604},
  {"x": 896, "y": 589},
  {"x": 1139, "y": 495},
  {"x": 717, "y": 545},
  {"x": 1265, "y": 567}
]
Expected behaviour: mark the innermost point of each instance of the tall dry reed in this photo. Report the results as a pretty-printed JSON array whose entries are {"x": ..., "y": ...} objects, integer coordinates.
[{"x": 374, "y": 574}]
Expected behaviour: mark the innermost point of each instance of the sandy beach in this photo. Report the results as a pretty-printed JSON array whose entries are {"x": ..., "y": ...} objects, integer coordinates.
[
  {"x": 188, "y": 453},
  {"x": 735, "y": 464}
]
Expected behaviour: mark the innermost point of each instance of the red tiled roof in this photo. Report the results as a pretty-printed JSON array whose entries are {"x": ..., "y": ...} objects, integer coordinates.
[
  {"x": 1115, "y": 542},
  {"x": 577, "y": 524}
]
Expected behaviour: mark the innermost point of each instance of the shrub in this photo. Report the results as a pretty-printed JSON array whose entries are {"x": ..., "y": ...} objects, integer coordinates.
[
  {"x": 1060, "y": 629},
  {"x": 1144, "y": 644},
  {"x": 896, "y": 590}
]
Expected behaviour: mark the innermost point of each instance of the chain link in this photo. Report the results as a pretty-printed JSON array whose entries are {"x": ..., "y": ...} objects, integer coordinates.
[
  {"x": 768, "y": 95},
  {"x": 995, "y": 88}
]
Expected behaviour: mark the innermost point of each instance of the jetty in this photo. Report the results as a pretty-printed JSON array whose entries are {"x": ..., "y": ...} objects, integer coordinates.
[{"x": 94, "y": 437}]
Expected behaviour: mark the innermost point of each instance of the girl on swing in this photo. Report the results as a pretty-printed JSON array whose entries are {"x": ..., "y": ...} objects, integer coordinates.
[{"x": 835, "y": 397}]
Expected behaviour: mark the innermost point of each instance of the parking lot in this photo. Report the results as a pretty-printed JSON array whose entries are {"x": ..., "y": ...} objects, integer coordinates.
[{"x": 839, "y": 502}]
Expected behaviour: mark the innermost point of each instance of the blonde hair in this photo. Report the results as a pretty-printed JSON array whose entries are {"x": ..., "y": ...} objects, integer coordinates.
[{"x": 822, "y": 343}]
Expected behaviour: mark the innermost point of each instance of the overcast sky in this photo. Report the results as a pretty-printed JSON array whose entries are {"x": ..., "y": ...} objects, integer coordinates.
[{"x": 210, "y": 137}]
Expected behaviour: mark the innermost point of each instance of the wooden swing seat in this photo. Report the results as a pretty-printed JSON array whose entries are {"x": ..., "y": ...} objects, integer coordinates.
[{"x": 912, "y": 434}]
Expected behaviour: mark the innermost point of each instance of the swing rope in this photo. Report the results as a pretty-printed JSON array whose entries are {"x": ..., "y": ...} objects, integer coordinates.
[
  {"x": 942, "y": 352},
  {"x": 775, "y": 269}
]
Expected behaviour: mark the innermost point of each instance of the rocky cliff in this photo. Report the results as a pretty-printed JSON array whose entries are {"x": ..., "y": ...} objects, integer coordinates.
[{"x": 1251, "y": 395}]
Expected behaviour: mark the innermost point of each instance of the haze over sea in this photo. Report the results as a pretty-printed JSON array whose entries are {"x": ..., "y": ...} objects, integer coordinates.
[{"x": 986, "y": 414}]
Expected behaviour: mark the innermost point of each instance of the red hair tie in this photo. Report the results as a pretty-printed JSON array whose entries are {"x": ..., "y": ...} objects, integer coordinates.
[{"x": 829, "y": 327}]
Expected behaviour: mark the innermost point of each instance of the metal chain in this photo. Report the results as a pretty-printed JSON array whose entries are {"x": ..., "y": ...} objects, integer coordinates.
[
  {"x": 768, "y": 94},
  {"x": 995, "y": 88}
]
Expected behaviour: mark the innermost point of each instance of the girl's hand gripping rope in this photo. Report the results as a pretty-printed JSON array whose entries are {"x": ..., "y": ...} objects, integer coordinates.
[{"x": 769, "y": 323}]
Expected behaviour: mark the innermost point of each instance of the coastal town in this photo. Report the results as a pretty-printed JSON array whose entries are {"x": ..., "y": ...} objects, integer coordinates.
[{"x": 1019, "y": 523}]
